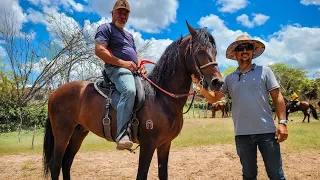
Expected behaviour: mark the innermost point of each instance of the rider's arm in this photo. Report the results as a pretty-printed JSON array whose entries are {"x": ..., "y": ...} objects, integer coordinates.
[{"x": 103, "y": 53}]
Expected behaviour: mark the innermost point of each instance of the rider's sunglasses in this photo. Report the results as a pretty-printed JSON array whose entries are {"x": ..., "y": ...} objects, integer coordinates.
[{"x": 248, "y": 47}]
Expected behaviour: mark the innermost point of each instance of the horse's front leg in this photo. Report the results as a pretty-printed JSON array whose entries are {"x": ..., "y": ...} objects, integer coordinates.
[
  {"x": 163, "y": 155},
  {"x": 145, "y": 157}
]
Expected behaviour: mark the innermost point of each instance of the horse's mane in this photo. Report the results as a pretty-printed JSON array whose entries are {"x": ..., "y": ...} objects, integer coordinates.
[{"x": 166, "y": 65}]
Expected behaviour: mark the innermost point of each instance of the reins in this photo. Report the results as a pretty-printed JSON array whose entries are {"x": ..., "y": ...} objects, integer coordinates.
[
  {"x": 166, "y": 92},
  {"x": 155, "y": 85}
]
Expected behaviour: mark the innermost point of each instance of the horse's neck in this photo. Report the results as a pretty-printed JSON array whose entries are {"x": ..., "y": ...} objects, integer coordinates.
[{"x": 178, "y": 84}]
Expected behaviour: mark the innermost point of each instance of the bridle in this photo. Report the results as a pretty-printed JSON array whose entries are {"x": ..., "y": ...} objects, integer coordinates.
[
  {"x": 196, "y": 61},
  {"x": 197, "y": 65}
]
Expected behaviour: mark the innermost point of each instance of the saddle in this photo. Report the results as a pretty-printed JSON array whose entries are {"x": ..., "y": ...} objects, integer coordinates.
[{"x": 108, "y": 90}]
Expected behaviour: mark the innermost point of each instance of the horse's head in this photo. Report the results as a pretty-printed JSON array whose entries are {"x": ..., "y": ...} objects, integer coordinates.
[{"x": 201, "y": 55}]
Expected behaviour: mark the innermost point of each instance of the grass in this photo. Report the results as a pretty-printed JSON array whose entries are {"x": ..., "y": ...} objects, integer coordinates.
[{"x": 195, "y": 132}]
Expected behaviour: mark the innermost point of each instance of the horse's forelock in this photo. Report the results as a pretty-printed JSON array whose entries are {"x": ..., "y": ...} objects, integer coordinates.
[{"x": 203, "y": 38}]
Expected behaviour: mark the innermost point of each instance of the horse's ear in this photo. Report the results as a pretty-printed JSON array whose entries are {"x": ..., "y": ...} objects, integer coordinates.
[{"x": 192, "y": 31}]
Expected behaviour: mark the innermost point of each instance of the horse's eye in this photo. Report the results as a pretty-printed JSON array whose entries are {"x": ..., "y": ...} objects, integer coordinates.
[{"x": 202, "y": 52}]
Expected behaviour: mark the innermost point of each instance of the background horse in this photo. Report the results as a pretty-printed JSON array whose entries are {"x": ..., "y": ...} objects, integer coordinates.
[
  {"x": 76, "y": 108},
  {"x": 303, "y": 106},
  {"x": 218, "y": 106}
]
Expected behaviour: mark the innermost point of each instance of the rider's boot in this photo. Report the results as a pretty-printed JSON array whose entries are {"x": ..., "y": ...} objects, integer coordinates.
[{"x": 124, "y": 142}]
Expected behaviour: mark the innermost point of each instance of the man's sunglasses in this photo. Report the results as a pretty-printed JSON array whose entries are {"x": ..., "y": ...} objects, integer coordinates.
[{"x": 248, "y": 47}]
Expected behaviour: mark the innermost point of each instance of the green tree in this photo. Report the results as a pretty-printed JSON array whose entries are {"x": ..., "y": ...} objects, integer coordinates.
[
  {"x": 289, "y": 78},
  {"x": 228, "y": 71}
]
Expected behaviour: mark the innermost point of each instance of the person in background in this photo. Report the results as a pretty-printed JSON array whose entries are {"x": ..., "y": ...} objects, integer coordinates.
[{"x": 294, "y": 98}]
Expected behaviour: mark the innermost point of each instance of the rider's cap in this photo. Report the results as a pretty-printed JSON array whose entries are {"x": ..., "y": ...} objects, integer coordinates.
[{"x": 121, "y": 4}]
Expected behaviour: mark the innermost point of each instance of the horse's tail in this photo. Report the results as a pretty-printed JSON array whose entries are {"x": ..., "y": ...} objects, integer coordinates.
[
  {"x": 48, "y": 146},
  {"x": 313, "y": 111}
]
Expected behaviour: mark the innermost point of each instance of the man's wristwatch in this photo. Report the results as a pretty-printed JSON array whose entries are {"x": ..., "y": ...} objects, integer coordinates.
[{"x": 283, "y": 122}]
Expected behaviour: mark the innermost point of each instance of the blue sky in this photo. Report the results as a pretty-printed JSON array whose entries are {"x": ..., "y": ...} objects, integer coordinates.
[{"x": 289, "y": 28}]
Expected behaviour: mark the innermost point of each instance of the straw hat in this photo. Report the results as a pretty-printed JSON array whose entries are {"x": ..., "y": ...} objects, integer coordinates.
[
  {"x": 245, "y": 38},
  {"x": 121, "y": 4}
]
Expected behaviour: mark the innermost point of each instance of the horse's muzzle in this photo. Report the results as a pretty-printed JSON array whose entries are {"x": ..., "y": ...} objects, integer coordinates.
[{"x": 216, "y": 84}]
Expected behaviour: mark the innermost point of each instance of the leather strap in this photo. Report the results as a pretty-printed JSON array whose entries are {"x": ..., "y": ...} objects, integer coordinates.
[{"x": 106, "y": 122}]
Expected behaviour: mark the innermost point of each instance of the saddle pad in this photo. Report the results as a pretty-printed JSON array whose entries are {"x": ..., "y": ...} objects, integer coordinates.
[{"x": 104, "y": 89}]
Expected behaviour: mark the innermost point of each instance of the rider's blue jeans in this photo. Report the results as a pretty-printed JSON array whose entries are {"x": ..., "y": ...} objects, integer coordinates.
[
  {"x": 125, "y": 84},
  {"x": 270, "y": 151}
]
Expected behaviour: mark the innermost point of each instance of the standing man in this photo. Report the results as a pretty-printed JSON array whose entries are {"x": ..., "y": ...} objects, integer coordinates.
[
  {"x": 119, "y": 65},
  {"x": 249, "y": 87}
]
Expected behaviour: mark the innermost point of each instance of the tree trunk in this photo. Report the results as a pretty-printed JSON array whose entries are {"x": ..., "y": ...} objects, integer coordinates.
[
  {"x": 34, "y": 135},
  {"x": 20, "y": 125}
]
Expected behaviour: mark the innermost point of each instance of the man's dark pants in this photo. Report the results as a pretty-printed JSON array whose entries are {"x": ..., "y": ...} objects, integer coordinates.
[{"x": 270, "y": 151}]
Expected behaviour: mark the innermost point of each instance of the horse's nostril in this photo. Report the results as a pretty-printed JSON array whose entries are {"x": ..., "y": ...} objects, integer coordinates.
[{"x": 216, "y": 81}]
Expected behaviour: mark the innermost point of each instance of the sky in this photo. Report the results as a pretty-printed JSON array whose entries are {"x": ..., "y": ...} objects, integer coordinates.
[{"x": 288, "y": 28}]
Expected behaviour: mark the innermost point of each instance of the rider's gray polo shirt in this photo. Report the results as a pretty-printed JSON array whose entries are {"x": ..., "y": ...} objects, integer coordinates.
[{"x": 251, "y": 112}]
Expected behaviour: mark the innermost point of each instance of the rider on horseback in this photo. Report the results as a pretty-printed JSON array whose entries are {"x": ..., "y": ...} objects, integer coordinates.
[
  {"x": 294, "y": 98},
  {"x": 119, "y": 65}
]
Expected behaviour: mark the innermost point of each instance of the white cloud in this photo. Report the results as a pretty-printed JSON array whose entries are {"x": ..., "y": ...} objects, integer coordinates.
[
  {"x": 68, "y": 5},
  {"x": 293, "y": 45},
  {"x": 40, "y": 2},
  {"x": 76, "y": 6},
  {"x": 10, "y": 10},
  {"x": 310, "y": 2},
  {"x": 244, "y": 21},
  {"x": 35, "y": 16},
  {"x": 232, "y": 6},
  {"x": 296, "y": 46},
  {"x": 145, "y": 15},
  {"x": 258, "y": 20}
]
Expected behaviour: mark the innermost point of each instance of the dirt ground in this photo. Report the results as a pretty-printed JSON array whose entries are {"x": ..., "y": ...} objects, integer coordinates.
[{"x": 203, "y": 163}]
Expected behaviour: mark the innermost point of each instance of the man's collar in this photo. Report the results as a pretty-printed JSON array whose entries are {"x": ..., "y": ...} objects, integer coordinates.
[{"x": 253, "y": 67}]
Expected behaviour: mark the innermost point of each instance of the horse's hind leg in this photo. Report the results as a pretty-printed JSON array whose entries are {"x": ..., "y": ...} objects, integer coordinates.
[
  {"x": 74, "y": 145},
  {"x": 305, "y": 115},
  {"x": 163, "y": 155},
  {"x": 61, "y": 141}
]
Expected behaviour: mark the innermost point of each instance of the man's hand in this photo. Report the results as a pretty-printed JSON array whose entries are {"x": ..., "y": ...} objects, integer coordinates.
[
  {"x": 281, "y": 133},
  {"x": 196, "y": 81},
  {"x": 129, "y": 65},
  {"x": 143, "y": 70}
]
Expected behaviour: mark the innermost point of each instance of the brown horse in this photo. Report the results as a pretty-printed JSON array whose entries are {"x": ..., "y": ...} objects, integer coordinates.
[
  {"x": 76, "y": 108},
  {"x": 304, "y": 106},
  {"x": 218, "y": 106}
]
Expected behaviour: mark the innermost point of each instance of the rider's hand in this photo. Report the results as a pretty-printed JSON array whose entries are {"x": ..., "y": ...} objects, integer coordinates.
[
  {"x": 130, "y": 65},
  {"x": 143, "y": 70},
  {"x": 281, "y": 133}
]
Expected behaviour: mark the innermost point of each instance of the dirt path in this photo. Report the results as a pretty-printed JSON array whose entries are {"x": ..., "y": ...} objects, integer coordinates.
[{"x": 203, "y": 163}]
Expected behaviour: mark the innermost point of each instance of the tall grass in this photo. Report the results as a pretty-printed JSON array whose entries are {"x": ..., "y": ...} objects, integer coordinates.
[{"x": 195, "y": 132}]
